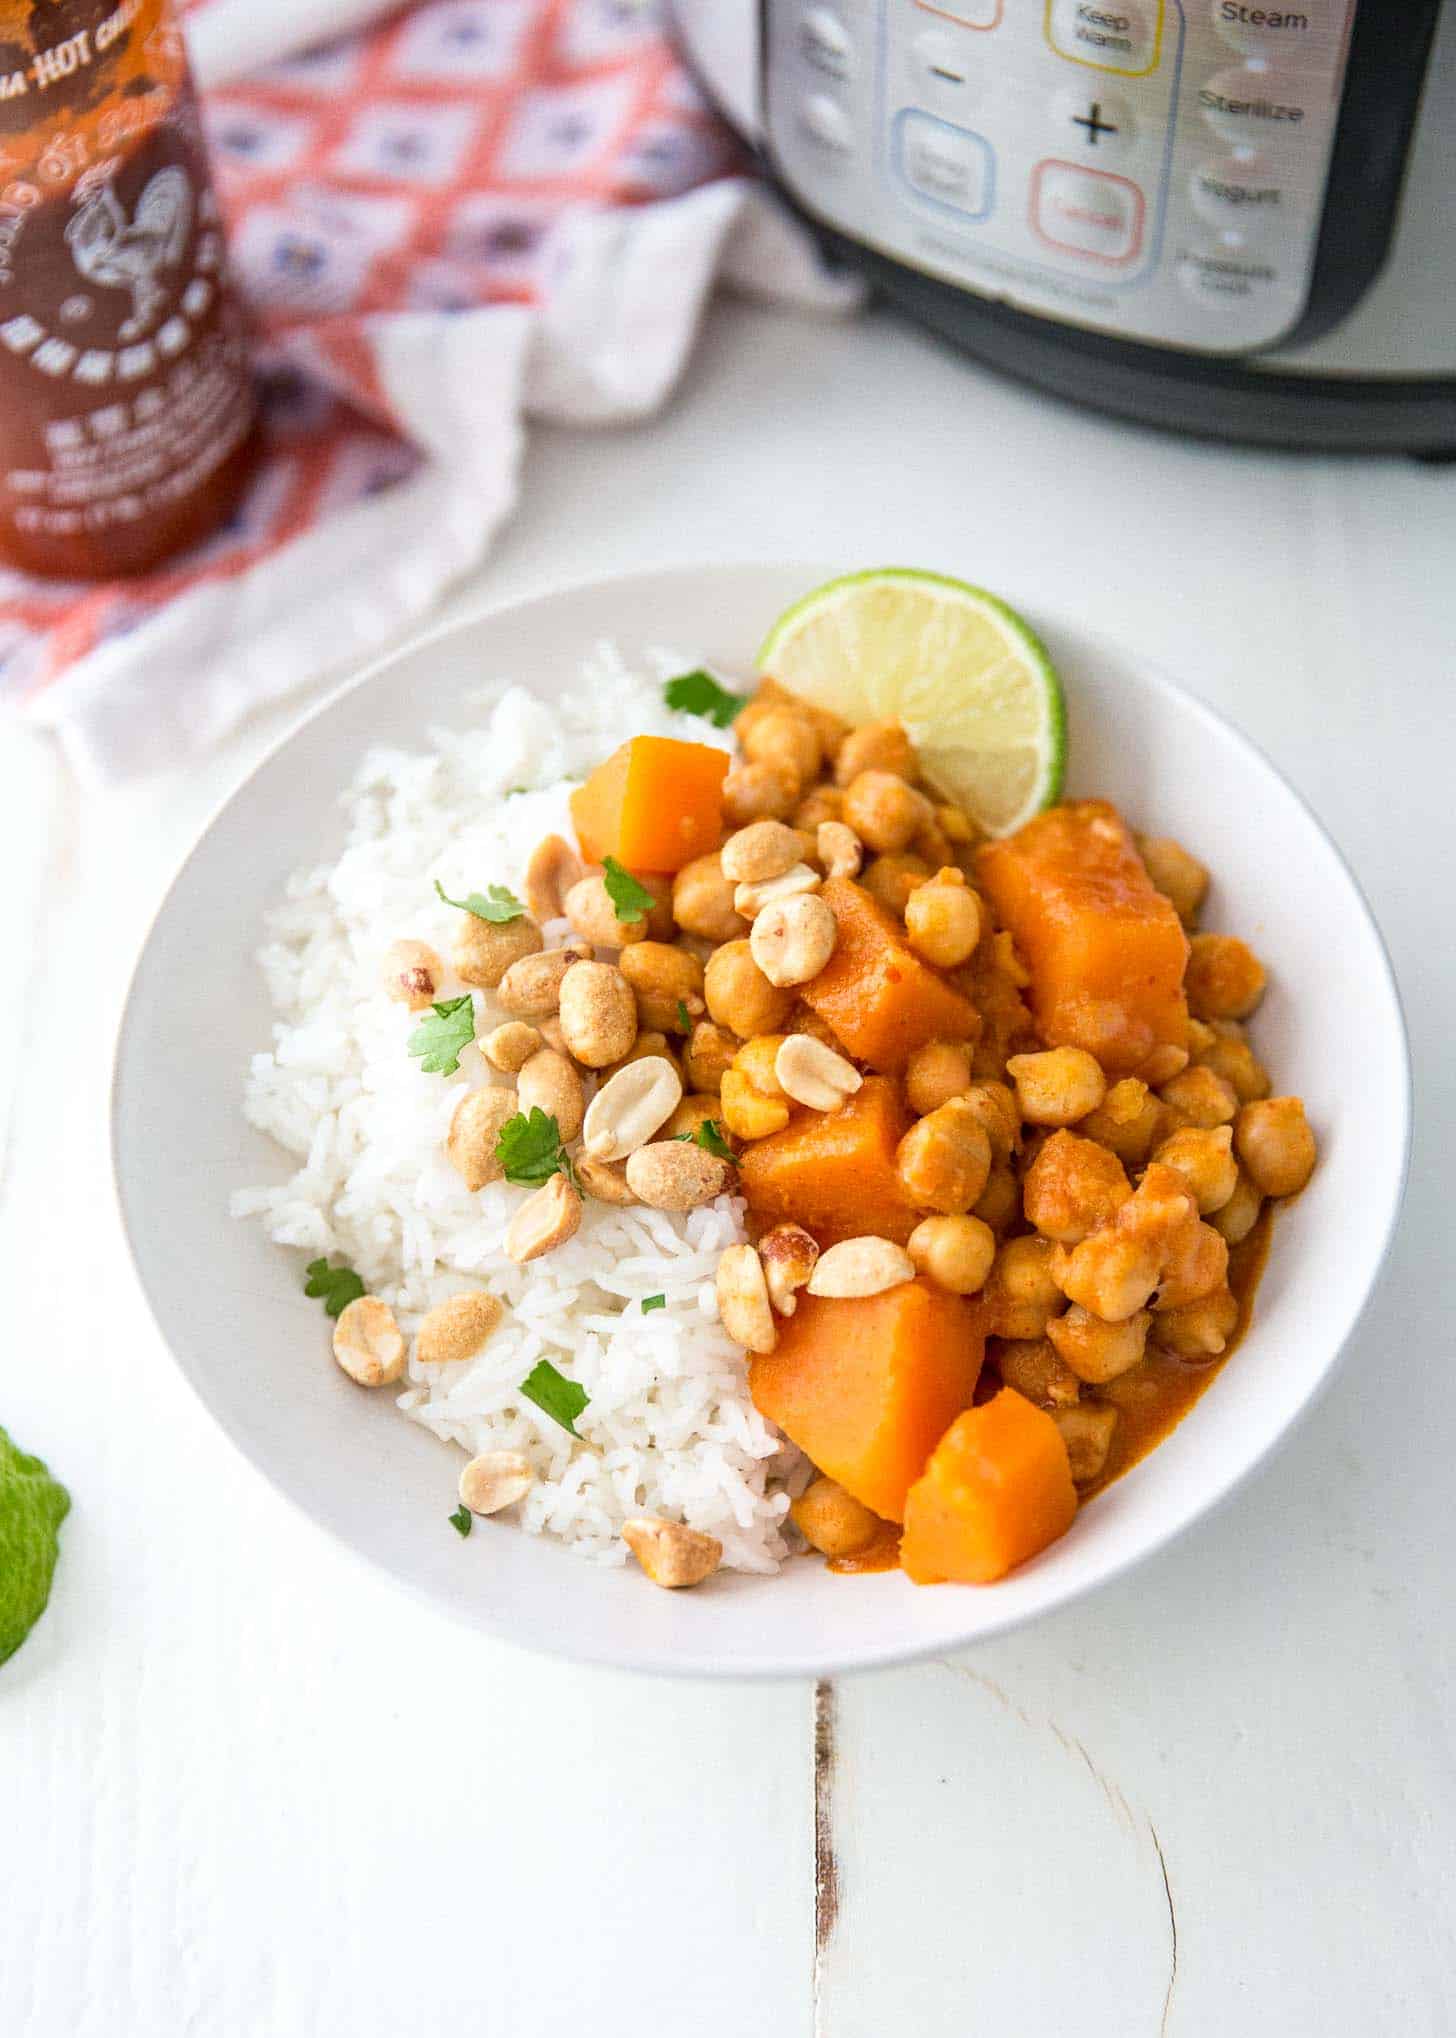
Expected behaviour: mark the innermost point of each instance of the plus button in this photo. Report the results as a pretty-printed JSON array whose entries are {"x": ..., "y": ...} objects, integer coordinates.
[{"x": 1093, "y": 122}]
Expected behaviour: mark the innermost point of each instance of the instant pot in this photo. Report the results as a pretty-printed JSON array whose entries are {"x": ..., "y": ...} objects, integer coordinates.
[{"x": 1222, "y": 218}]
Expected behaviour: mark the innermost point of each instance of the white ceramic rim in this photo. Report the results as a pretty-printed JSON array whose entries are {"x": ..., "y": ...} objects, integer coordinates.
[{"x": 697, "y": 1662}]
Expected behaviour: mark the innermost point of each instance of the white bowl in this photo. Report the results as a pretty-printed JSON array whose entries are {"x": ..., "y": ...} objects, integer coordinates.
[{"x": 230, "y": 1306}]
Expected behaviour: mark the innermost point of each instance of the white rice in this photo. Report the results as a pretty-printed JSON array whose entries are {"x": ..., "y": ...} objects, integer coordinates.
[{"x": 670, "y": 1428}]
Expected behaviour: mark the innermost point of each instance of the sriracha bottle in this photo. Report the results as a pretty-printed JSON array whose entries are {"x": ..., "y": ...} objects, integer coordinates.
[{"x": 126, "y": 405}]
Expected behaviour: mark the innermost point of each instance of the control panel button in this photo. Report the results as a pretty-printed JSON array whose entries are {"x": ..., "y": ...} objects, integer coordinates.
[
  {"x": 969, "y": 13},
  {"x": 1110, "y": 35},
  {"x": 1252, "y": 107},
  {"x": 1240, "y": 196},
  {"x": 943, "y": 70},
  {"x": 950, "y": 165},
  {"x": 825, "y": 121},
  {"x": 1088, "y": 212},
  {"x": 825, "y": 43},
  {"x": 1217, "y": 276},
  {"x": 1268, "y": 31},
  {"x": 1094, "y": 124}
]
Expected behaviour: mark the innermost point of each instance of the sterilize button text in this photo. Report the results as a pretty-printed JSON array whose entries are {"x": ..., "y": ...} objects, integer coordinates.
[{"x": 1251, "y": 106}]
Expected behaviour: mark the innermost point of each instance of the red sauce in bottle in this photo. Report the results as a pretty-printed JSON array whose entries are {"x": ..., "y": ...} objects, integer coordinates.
[{"x": 126, "y": 406}]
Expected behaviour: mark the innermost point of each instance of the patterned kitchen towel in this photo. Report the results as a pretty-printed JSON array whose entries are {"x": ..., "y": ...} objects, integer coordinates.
[{"x": 447, "y": 218}]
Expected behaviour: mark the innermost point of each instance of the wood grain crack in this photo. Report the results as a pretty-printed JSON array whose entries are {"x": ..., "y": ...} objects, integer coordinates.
[
  {"x": 826, "y": 1863},
  {"x": 1172, "y": 1931}
]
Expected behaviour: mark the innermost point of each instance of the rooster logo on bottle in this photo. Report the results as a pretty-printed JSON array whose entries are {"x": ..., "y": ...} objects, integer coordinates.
[{"x": 130, "y": 254}]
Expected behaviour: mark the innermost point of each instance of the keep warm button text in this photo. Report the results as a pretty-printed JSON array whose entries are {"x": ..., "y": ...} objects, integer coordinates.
[
  {"x": 1110, "y": 35},
  {"x": 1087, "y": 212}
]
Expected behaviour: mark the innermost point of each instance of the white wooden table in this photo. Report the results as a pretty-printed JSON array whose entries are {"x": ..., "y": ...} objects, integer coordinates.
[{"x": 248, "y": 1790}]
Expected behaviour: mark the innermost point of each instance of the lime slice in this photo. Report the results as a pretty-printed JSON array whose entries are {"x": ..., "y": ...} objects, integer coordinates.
[{"x": 969, "y": 680}]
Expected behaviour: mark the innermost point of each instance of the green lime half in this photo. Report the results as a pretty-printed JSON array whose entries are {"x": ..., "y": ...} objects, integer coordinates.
[
  {"x": 969, "y": 680},
  {"x": 32, "y": 1508}
]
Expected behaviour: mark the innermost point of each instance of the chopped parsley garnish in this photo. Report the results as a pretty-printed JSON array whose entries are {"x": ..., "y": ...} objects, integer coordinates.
[
  {"x": 555, "y": 1395},
  {"x": 495, "y": 904},
  {"x": 684, "y": 1022},
  {"x": 461, "y": 1521},
  {"x": 651, "y": 1302},
  {"x": 335, "y": 1287},
  {"x": 529, "y": 1148},
  {"x": 709, "y": 1136},
  {"x": 438, "y": 1040},
  {"x": 630, "y": 901},
  {"x": 698, "y": 693}
]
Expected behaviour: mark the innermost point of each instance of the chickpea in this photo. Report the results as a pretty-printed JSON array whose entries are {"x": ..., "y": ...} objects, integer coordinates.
[
  {"x": 1072, "y": 1187},
  {"x": 955, "y": 1252},
  {"x": 772, "y": 699},
  {"x": 1225, "y": 979},
  {"x": 943, "y": 920},
  {"x": 709, "y": 1052},
  {"x": 698, "y": 1108},
  {"x": 821, "y": 803},
  {"x": 1128, "y": 1122},
  {"x": 935, "y": 1073},
  {"x": 648, "y": 1046},
  {"x": 755, "y": 1061},
  {"x": 995, "y": 1106},
  {"x": 1096, "y": 1350},
  {"x": 662, "y": 979},
  {"x": 1162, "y": 1063},
  {"x": 833, "y": 1521},
  {"x": 1199, "y": 1329},
  {"x": 999, "y": 1203},
  {"x": 1021, "y": 1291},
  {"x": 746, "y": 1112},
  {"x": 1112, "y": 1274},
  {"x": 660, "y": 924},
  {"x": 944, "y": 1162},
  {"x": 891, "y": 880},
  {"x": 741, "y": 997},
  {"x": 1194, "y": 1267},
  {"x": 1058, "y": 1086},
  {"x": 598, "y": 1013},
  {"x": 1239, "y": 1067},
  {"x": 1087, "y": 1432},
  {"x": 1034, "y": 1367},
  {"x": 759, "y": 792},
  {"x": 589, "y": 908},
  {"x": 702, "y": 901},
  {"x": 1201, "y": 1097},
  {"x": 483, "y": 952},
  {"x": 838, "y": 849},
  {"x": 883, "y": 811},
  {"x": 1205, "y": 1160},
  {"x": 1240, "y": 1214},
  {"x": 937, "y": 849},
  {"x": 1181, "y": 878},
  {"x": 1275, "y": 1144},
  {"x": 878, "y": 746},
  {"x": 784, "y": 738}
]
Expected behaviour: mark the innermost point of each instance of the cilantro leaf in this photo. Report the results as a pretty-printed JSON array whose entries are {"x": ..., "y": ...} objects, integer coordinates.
[
  {"x": 651, "y": 1302},
  {"x": 462, "y": 1521},
  {"x": 335, "y": 1287},
  {"x": 529, "y": 1147},
  {"x": 684, "y": 1021},
  {"x": 698, "y": 693},
  {"x": 630, "y": 901},
  {"x": 438, "y": 1039},
  {"x": 562, "y": 1399},
  {"x": 709, "y": 1136},
  {"x": 496, "y": 905}
]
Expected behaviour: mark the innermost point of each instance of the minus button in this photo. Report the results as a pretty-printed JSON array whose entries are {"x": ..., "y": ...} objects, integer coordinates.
[{"x": 942, "y": 75}]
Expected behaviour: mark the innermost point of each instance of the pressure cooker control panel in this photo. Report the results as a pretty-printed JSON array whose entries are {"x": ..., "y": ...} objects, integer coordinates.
[{"x": 1150, "y": 168}]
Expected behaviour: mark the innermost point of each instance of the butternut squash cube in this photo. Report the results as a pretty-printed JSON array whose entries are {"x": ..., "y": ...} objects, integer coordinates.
[
  {"x": 997, "y": 1489},
  {"x": 878, "y": 996}
]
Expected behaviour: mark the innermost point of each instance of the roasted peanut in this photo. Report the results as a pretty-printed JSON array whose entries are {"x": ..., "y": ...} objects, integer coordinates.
[
  {"x": 860, "y": 1266},
  {"x": 839, "y": 849},
  {"x": 544, "y": 1221},
  {"x": 553, "y": 869},
  {"x": 593, "y": 916},
  {"x": 549, "y": 1082},
  {"x": 631, "y": 1107},
  {"x": 411, "y": 972},
  {"x": 750, "y": 900},
  {"x": 509, "y": 1047},
  {"x": 484, "y": 952},
  {"x": 793, "y": 939},
  {"x": 368, "y": 1343},
  {"x": 674, "y": 1174},
  {"x": 604, "y": 1180},
  {"x": 531, "y": 988},
  {"x": 598, "y": 1013},
  {"x": 762, "y": 850},
  {"x": 789, "y": 1256},
  {"x": 494, "y": 1480},
  {"x": 743, "y": 1304},
  {"x": 671, "y": 1555},
  {"x": 813, "y": 1074},
  {"x": 457, "y": 1330},
  {"x": 474, "y": 1130}
]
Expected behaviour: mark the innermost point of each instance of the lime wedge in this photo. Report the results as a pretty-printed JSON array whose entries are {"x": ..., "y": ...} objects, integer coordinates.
[{"x": 969, "y": 680}]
